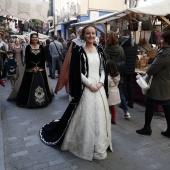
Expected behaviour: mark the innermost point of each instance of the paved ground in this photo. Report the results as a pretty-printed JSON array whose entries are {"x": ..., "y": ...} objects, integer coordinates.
[{"x": 21, "y": 148}]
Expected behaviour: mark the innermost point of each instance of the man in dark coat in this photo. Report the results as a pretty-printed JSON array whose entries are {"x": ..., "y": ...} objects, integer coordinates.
[
  {"x": 131, "y": 54},
  {"x": 48, "y": 57}
]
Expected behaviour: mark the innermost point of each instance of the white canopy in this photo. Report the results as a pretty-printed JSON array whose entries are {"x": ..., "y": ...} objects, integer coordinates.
[
  {"x": 41, "y": 37},
  {"x": 102, "y": 19},
  {"x": 159, "y": 8},
  {"x": 25, "y": 10}
]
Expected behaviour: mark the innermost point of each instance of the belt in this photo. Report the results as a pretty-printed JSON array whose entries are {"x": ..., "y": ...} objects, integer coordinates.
[{"x": 32, "y": 71}]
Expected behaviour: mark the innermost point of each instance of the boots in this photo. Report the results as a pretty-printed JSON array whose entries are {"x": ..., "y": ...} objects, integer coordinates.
[{"x": 146, "y": 130}]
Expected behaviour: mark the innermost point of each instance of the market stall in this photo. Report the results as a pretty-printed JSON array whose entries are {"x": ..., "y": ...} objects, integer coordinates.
[
  {"x": 141, "y": 22},
  {"x": 41, "y": 37}
]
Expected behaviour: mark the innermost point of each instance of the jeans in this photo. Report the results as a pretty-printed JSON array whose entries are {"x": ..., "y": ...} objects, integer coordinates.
[
  {"x": 50, "y": 67},
  {"x": 129, "y": 88},
  {"x": 54, "y": 63},
  {"x": 122, "y": 98}
]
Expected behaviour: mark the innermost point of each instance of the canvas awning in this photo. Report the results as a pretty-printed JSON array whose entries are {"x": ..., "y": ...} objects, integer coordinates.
[
  {"x": 41, "y": 37},
  {"x": 158, "y": 8},
  {"x": 25, "y": 10},
  {"x": 102, "y": 19}
]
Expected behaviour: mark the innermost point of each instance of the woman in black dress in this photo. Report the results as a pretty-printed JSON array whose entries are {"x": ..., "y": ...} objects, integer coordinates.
[{"x": 34, "y": 91}]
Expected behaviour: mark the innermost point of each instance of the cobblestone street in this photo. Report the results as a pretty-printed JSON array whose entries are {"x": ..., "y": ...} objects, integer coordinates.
[{"x": 21, "y": 148}]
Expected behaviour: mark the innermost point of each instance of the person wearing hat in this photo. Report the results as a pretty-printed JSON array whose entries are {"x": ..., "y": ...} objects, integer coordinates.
[{"x": 11, "y": 66}]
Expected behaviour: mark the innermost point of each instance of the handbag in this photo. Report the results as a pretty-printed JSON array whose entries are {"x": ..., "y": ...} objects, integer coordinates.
[
  {"x": 61, "y": 55},
  {"x": 141, "y": 81}
]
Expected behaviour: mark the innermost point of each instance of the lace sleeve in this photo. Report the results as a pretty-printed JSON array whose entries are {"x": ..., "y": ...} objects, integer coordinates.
[{"x": 85, "y": 80}]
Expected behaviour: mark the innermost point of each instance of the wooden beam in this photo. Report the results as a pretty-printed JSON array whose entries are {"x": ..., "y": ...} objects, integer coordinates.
[
  {"x": 99, "y": 29},
  {"x": 164, "y": 19}
]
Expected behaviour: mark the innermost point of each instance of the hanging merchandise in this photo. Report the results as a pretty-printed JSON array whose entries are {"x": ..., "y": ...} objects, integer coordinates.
[
  {"x": 139, "y": 17},
  {"x": 26, "y": 25},
  {"x": 133, "y": 26},
  {"x": 123, "y": 25},
  {"x": 113, "y": 25},
  {"x": 152, "y": 39},
  {"x": 133, "y": 23},
  {"x": 167, "y": 16},
  {"x": 146, "y": 23},
  {"x": 142, "y": 41}
]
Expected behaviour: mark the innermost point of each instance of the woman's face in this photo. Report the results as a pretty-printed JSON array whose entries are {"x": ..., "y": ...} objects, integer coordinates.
[
  {"x": 89, "y": 35},
  {"x": 34, "y": 39}
]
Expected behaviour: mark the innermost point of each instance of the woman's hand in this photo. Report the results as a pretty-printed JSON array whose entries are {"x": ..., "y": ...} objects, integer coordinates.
[
  {"x": 35, "y": 69},
  {"x": 11, "y": 70},
  {"x": 99, "y": 85},
  {"x": 93, "y": 88}
]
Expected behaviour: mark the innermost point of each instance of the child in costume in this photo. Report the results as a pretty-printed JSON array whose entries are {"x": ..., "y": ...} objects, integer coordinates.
[
  {"x": 113, "y": 81},
  {"x": 11, "y": 66}
]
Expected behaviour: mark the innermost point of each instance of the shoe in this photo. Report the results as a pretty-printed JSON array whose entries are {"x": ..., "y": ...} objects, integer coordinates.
[
  {"x": 126, "y": 115},
  {"x": 113, "y": 122},
  {"x": 2, "y": 83},
  {"x": 130, "y": 105},
  {"x": 166, "y": 133},
  {"x": 144, "y": 131}
]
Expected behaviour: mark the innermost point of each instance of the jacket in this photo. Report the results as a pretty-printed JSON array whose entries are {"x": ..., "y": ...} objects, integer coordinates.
[
  {"x": 114, "y": 95},
  {"x": 47, "y": 53},
  {"x": 131, "y": 54},
  {"x": 114, "y": 53},
  {"x": 160, "y": 70},
  {"x": 53, "y": 50}
]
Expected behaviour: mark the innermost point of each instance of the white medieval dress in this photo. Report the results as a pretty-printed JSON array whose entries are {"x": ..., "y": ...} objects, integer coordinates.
[{"x": 89, "y": 133}]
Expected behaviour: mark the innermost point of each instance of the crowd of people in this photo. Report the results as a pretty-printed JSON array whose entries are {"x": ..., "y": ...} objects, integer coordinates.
[{"x": 89, "y": 71}]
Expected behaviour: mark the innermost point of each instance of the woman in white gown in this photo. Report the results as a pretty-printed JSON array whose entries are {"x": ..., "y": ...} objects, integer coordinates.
[{"x": 88, "y": 131}]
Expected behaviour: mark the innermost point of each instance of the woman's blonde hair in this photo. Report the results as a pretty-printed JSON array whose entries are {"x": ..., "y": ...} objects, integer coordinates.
[{"x": 112, "y": 39}]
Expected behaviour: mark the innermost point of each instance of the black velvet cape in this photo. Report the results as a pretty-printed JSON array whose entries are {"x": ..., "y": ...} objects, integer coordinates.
[{"x": 53, "y": 132}]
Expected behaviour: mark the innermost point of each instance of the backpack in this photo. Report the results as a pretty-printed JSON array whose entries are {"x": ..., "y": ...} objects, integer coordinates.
[
  {"x": 152, "y": 38},
  {"x": 133, "y": 26},
  {"x": 146, "y": 24}
]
